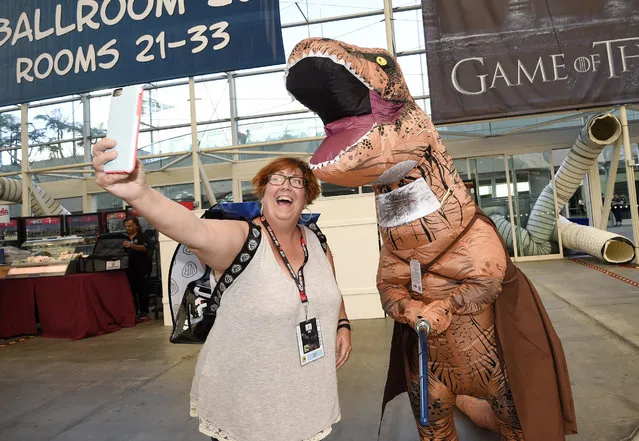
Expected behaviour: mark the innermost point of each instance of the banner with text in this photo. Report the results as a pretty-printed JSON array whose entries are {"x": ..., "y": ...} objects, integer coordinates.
[
  {"x": 55, "y": 48},
  {"x": 497, "y": 58}
]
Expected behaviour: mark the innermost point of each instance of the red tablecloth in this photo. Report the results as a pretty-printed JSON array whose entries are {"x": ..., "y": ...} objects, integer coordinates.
[
  {"x": 17, "y": 307},
  {"x": 74, "y": 306}
]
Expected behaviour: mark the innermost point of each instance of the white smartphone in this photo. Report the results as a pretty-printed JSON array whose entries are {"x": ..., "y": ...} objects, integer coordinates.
[{"x": 123, "y": 127}]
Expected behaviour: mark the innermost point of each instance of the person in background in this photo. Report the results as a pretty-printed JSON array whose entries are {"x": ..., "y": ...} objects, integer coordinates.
[
  {"x": 617, "y": 209},
  {"x": 139, "y": 249},
  {"x": 267, "y": 371}
]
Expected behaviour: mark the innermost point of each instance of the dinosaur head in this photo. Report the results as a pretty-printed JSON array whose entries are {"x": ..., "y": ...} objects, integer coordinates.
[{"x": 371, "y": 120}]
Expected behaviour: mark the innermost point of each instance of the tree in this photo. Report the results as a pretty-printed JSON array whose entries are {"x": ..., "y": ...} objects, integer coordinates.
[
  {"x": 10, "y": 135},
  {"x": 96, "y": 132},
  {"x": 58, "y": 125}
]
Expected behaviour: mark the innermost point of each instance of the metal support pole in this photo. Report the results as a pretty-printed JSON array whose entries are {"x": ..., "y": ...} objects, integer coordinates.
[
  {"x": 584, "y": 196},
  {"x": 390, "y": 26},
  {"x": 26, "y": 178},
  {"x": 594, "y": 187},
  {"x": 630, "y": 177},
  {"x": 557, "y": 209},
  {"x": 233, "y": 99},
  {"x": 207, "y": 186},
  {"x": 610, "y": 185},
  {"x": 195, "y": 157},
  {"x": 86, "y": 142},
  {"x": 511, "y": 210}
]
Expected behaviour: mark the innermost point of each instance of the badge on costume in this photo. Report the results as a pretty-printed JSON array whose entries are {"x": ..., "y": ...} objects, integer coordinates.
[
  {"x": 416, "y": 276},
  {"x": 309, "y": 340}
]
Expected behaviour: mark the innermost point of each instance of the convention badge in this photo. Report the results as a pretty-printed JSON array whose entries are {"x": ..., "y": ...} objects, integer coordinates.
[
  {"x": 309, "y": 340},
  {"x": 416, "y": 276}
]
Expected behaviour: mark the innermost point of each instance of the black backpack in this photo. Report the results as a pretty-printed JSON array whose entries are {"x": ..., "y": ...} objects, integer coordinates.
[{"x": 194, "y": 314}]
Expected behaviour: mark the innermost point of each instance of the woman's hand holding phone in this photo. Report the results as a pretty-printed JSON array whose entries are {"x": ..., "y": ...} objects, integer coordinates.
[{"x": 127, "y": 186}]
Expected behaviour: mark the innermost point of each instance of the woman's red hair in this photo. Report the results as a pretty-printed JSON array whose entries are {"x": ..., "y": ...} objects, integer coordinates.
[{"x": 260, "y": 180}]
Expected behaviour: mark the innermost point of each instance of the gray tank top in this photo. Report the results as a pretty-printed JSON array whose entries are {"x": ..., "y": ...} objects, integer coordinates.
[{"x": 249, "y": 384}]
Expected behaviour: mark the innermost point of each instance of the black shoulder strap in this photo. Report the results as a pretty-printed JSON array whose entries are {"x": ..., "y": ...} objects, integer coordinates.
[
  {"x": 320, "y": 236},
  {"x": 241, "y": 261}
]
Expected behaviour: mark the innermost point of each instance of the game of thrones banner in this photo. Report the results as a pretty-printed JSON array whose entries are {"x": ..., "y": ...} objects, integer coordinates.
[
  {"x": 51, "y": 48},
  {"x": 497, "y": 58}
]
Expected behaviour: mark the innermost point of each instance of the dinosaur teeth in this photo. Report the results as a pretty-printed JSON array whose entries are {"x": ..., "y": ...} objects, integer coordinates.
[
  {"x": 341, "y": 153},
  {"x": 334, "y": 58}
]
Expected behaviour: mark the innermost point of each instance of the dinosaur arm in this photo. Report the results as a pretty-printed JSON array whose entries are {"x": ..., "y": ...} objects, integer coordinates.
[
  {"x": 392, "y": 278},
  {"x": 474, "y": 296},
  {"x": 398, "y": 304}
]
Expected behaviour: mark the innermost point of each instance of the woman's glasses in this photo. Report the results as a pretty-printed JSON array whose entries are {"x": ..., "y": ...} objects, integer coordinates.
[{"x": 295, "y": 181}]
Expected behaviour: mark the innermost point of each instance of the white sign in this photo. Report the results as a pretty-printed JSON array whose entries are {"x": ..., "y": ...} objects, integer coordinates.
[
  {"x": 112, "y": 264},
  {"x": 4, "y": 214}
]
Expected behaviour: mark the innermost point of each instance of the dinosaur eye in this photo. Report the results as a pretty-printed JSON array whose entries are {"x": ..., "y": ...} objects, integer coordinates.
[{"x": 381, "y": 61}]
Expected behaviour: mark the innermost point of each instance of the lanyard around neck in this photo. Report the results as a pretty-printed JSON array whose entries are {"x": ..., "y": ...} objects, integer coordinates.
[{"x": 299, "y": 277}]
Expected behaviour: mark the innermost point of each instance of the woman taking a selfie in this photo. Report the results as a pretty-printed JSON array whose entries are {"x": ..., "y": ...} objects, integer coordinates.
[{"x": 267, "y": 371}]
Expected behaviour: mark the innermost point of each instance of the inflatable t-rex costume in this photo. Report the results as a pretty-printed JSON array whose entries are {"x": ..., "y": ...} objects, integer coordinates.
[{"x": 485, "y": 314}]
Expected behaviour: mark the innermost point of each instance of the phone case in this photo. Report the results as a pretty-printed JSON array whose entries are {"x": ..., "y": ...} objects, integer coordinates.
[{"x": 123, "y": 126}]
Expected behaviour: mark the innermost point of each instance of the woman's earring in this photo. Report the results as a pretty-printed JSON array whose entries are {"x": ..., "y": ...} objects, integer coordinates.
[
  {"x": 261, "y": 209},
  {"x": 310, "y": 215}
]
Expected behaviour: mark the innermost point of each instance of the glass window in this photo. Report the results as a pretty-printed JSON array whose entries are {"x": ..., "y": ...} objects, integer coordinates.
[
  {"x": 9, "y": 129},
  {"x": 106, "y": 201},
  {"x": 179, "y": 192},
  {"x": 164, "y": 141},
  {"x": 363, "y": 32},
  {"x": 486, "y": 189},
  {"x": 415, "y": 73},
  {"x": 276, "y": 128},
  {"x": 56, "y": 122},
  {"x": 99, "y": 111},
  {"x": 248, "y": 194},
  {"x": 212, "y": 100},
  {"x": 15, "y": 210},
  {"x": 293, "y": 12},
  {"x": 402, "y": 3},
  {"x": 166, "y": 106},
  {"x": 534, "y": 210},
  {"x": 409, "y": 30},
  {"x": 425, "y": 106},
  {"x": 462, "y": 168},
  {"x": 214, "y": 135},
  {"x": 619, "y": 219},
  {"x": 292, "y": 36},
  {"x": 10, "y": 137},
  {"x": 266, "y": 93},
  {"x": 56, "y": 153},
  {"x": 337, "y": 190},
  {"x": 222, "y": 190},
  {"x": 74, "y": 205}
]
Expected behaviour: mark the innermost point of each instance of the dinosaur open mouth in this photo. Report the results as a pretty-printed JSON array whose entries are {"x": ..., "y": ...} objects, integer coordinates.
[{"x": 328, "y": 87}]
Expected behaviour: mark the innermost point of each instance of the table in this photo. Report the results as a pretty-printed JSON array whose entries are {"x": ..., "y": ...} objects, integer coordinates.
[{"x": 74, "y": 306}]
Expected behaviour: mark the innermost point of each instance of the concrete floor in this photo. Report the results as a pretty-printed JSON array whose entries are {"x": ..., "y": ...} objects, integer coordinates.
[{"x": 133, "y": 385}]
